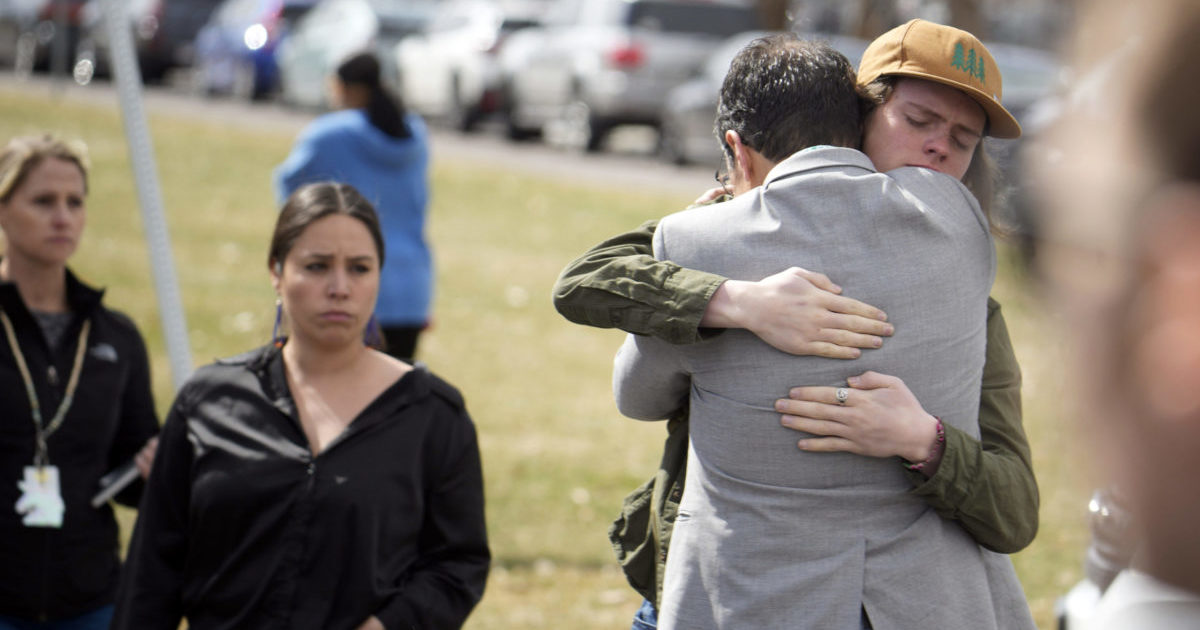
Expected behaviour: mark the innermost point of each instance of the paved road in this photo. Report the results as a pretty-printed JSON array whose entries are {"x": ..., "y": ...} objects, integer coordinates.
[{"x": 630, "y": 165}]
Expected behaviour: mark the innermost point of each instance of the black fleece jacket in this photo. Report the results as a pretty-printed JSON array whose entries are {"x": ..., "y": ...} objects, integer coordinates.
[{"x": 49, "y": 574}]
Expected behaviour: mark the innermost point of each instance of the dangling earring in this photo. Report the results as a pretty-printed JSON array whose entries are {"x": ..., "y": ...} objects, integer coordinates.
[
  {"x": 277, "y": 339},
  {"x": 373, "y": 336}
]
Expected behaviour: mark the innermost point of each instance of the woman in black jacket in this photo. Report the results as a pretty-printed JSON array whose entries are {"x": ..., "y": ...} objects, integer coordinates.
[
  {"x": 75, "y": 400},
  {"x": 314, "y": 483}
]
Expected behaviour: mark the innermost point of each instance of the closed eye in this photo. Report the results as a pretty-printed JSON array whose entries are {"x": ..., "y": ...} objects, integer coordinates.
[
  {"x": 965, "y": 141},
  {"x": 916, "y": 122}
]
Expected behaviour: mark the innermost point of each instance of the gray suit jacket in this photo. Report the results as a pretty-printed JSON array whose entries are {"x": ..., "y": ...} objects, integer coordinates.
[{"x": 772, "y": 537}]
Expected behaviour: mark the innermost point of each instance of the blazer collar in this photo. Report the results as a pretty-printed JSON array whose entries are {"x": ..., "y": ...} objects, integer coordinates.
[{"x": 818, "y": 157}]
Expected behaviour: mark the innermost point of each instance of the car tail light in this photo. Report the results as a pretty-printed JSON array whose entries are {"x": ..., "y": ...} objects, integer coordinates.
[
  {"x": 489, "y": 101},
  {"x": 73, "y": 9},
  {"x": 627, "y": 57}
]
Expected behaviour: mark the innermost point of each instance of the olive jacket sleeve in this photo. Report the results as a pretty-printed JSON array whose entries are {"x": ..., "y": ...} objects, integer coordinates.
[
  {"x": 987, "y": 485},
  {"x": 619, "y": 284}
]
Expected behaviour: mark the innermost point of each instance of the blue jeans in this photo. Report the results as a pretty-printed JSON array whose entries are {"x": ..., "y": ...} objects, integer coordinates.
[
  {"x": 98, "y": 619},
  {"x": 646, "y": 617}
]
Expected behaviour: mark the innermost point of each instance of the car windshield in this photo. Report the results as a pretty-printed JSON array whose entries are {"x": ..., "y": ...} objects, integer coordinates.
[
  {"x": 293, "y": 10},
  {"x": 399, "y": 19},
  {"x": 685, "y": 17},
  {"x": 515, "y": 24}
]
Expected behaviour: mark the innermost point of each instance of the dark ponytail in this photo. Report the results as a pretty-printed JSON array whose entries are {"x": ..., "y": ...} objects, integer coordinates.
[{"x": 384, "y": 110}]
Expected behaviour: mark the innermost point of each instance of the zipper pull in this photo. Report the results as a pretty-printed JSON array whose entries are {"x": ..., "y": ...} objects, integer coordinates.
[{"x": 52, "y": 376}]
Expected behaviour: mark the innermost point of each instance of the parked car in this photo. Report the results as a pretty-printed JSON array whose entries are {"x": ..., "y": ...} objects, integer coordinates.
[
  {"x": 179, "y": 23},
  {"x": 336, "y": 28},
  {"x": 235, "y": 51},
  {"x": 33, "y": 32},
  {"x": 596, "y": 64},
  {"x": 686, "y": 133},
  {"x": 163, "y": 35},
  {"x": 93, "y": 56},
  {"x": 17, "y": 38},
  {"x": 449, "y": 70}
]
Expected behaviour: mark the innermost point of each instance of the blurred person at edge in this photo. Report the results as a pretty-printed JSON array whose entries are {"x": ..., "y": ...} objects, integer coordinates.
[
  {"x": 870, "y": 552},
  {"x": 1120, "y": 253},
  {"x": 985, "y": 483},
  {"x": 313, "y": 483},
  {"x": 373, "y": 144},
  {"x": 75, "y": 400}
]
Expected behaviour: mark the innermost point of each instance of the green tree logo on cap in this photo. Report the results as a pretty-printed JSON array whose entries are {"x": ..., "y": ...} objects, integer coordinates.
[{"x": 968, "y": 62}]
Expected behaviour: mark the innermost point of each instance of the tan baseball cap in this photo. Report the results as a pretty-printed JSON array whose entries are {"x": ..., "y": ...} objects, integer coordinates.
[{"x": 946, "y": 55}]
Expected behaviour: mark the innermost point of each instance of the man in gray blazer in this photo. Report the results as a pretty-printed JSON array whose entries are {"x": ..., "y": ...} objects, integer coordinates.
[{"x": 833, "y": 540}]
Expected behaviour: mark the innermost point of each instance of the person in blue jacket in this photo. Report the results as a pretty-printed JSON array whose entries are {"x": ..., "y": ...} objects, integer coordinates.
[{"x": 371, "y": 143}]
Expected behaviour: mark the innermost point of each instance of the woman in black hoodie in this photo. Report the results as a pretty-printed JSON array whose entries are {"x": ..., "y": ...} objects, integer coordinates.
[{"x": 314, "y": 483}]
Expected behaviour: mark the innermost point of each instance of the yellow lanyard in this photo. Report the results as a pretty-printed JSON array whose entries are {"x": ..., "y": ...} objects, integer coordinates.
[{"x": 41, "y": 456}]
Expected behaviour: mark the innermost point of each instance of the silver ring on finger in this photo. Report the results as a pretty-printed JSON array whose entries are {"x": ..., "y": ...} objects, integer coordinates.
[{"x": 841, "y": 395}]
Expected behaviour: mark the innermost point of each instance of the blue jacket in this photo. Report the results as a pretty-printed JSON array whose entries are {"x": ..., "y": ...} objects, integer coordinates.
[{"x": 391, "y": 173}]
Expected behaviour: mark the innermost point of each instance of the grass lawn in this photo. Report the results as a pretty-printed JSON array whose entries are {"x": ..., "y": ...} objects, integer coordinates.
[{"x": 557, "y": 456}]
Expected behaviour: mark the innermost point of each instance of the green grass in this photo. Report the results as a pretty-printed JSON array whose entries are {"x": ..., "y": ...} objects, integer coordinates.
[{"x": 558, "y": 458}]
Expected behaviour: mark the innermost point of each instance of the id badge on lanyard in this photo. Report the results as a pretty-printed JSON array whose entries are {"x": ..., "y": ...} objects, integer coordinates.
[{"x": 41, "y": 503}]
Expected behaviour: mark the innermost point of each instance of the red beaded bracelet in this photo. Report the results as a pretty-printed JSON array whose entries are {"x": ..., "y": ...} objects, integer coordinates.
[{"x": 939, "y": 442}]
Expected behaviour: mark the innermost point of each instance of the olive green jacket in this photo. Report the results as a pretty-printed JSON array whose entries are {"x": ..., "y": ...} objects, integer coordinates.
[{"x": 987, "y": 485}]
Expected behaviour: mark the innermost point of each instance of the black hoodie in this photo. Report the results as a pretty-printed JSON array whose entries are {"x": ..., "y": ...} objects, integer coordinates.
[{"x": 243, "y": 527}]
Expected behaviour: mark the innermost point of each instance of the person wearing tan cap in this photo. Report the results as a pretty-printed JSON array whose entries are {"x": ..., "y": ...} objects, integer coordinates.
[
  {"x": 987, "y": 483},
  {"x": 830, "y": 537},
  {"x": 947, "y": 61}
]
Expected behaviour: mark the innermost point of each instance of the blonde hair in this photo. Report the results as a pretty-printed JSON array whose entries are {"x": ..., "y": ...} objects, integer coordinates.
[{"x": 24, "y": 153}]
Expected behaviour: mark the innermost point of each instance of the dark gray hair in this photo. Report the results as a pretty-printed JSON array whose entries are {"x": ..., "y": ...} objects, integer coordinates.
[
  {"x": 313, "y": 202},
  {"x": 783, "y": 94}
]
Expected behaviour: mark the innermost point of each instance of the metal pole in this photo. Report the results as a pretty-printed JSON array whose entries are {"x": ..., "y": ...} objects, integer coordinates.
[{"x": 141, "y": 152}]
